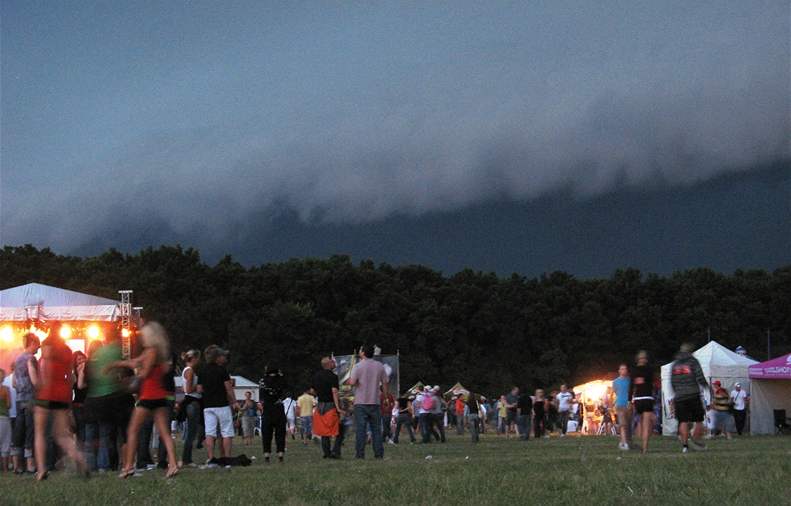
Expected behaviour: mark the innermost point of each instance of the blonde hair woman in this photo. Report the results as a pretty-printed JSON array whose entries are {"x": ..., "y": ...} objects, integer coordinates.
[
  {"x": 152, "y": 365},
  {"x": 191, "y": 405}
]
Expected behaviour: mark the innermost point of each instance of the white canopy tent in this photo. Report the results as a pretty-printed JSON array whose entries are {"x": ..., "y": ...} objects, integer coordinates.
[
  {"x": 718, "y": 363},
  {"x": 35, "y": 301}
]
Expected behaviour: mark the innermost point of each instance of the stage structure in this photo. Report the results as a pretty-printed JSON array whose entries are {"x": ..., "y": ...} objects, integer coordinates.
[{"x": 84, "y": 318}]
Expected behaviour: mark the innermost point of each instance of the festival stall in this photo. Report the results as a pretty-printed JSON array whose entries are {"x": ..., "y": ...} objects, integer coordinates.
[
  {"x": 35, "y": 308},
  {"x": 771, "y": 390},
  {"x": 455, "y": 390},
  {"x": 592, "y": 394},
  {"x": 718, "y": 363}
]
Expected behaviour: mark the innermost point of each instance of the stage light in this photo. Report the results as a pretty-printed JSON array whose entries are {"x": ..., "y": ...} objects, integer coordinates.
[
  {"x": 41, "y": 334},
  {"x": 65, "y": 332},
  {"x": 94, "y": 332},
  {"x": 126, "y": 332},
  {"x": 7, "y": 334}
]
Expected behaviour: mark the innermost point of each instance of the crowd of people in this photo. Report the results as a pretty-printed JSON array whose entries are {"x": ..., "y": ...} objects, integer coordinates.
[{"x": 102, "y": 411}]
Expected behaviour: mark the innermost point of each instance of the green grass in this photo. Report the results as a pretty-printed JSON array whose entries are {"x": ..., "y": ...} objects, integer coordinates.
[{"x": 579, "y": 471}]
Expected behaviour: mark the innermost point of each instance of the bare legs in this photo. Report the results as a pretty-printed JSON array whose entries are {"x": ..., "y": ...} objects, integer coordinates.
[
  {"x": 139, "y": 415},
  {"x": 62, "y": 435},
  {"x": 646, "y": 428}
]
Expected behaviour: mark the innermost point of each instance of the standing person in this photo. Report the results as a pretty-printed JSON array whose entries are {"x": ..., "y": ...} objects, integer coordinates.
[
  {"x": 5, "y": 423},
  {"x": 80, "y": 390},
  {"x": 502, "y": 415},
  {"x": 622, "y": 385},
  {"x": 216, "y": 386},
  {"x": 370, "y": 380},
  {"x": 249, "y": 416},
  {"x": 740, "y": 400},
  {"x": 388, "y": 402},
  {"x": 290, "y": 405},
  {"x": 551, "y": 416},
  {"x": 721, "y": 401},
  {"x": 564, "y": 399},
  {"x": 8, "y": 382},
  {"x": 305, "y": 404},
  {"x": 459, "y": 407},
  {"x": 438, "y": 414},
  {"x": 524, "y": 413},
  {"x": 53, "y": 399},
  {"x": 326, "y": 417},
  {"x": 404, "y": 418},
  {"x": 539, "y": 405},
  {"x": 108, "y": 406},
  {"x": 152, "y": 365},
  {"x": 273, "y": 414},
  {"x": 474, "y": 415},
  {"x": 510, "y": 403},
  {"x": 192, "y": 405},
  {"x": 643, "y": 397},
  {"x": 686, "y": 404},
  {"x": 24, "y": 383}
]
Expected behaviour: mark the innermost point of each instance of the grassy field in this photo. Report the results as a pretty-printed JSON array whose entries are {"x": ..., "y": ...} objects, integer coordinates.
[{"x": 571, "y": 471}]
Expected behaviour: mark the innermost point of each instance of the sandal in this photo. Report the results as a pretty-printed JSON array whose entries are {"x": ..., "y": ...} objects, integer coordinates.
[
  {"x": 172, "y": 471},
  {"x": 42, "y": 476},
  {"x": 126, "y": 473}
]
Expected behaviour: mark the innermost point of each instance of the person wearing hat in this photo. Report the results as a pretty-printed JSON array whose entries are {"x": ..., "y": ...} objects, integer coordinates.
[
  {"x": 216, "y": 387},
  {"x": 739, "y": 400},
  {"x": 721, "y": 401}
]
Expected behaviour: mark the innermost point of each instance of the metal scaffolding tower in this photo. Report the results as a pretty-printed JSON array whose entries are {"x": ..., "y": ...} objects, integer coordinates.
[{"x": 126, "y": 322}]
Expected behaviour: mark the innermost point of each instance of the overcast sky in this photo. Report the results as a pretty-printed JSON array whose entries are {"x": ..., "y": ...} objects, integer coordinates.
[{"x": 269, "y": 130}]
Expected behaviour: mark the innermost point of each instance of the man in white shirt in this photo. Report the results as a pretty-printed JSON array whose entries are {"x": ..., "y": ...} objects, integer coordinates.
[
  {"x": 289, "y": 405},
  {"x": 740, "y": 399},
  {"x": 564, "y": 399}
]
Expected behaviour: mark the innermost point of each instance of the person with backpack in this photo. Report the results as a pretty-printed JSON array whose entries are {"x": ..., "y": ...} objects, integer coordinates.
[
  {"x": 425, "y": 403},
  {"x": 686, "y": 404},
  {"x": 438, "y": 414}
]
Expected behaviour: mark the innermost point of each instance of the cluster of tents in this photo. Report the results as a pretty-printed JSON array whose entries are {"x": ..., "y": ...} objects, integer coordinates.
[{"x": 767, "y": 383}]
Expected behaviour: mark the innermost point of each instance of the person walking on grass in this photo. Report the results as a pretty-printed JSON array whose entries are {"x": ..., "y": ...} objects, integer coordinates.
[
  {"x": 216, "y": 387},
  {"x": 686, "y": 404},
  {"x": 740, "y": 399},
  {"x": 369, "y": 380},
  {"x": 563, "y": 400},
  {"x": 721, "y": 402},
  {"x": 623, "y": 408},
  {"x": 305, "y": 404},
  {"x": 152, "y": 365},
  {"x": 643, "y": 397},
  {"x": 53, "y": 399},
  {"x": 404, "y": 419},
  {"x": 24, "y": 383},
  {"x": 327, "y": 416}
]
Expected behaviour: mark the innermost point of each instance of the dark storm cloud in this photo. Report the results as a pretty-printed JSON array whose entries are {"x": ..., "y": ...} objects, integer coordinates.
[{"x": 512, "y": 109}]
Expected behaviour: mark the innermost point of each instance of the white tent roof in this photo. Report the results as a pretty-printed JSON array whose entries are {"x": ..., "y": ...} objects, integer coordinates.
[
  {"x": 718, "y": 363},
  {"x": 43, "y": 302}
]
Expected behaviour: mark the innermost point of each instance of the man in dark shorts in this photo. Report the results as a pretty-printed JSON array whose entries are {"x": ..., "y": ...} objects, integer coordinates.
[{"x": 685, "y": 399}]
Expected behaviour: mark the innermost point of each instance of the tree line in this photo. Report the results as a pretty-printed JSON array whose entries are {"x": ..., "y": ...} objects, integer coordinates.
[{"x": 486, "y": 331}]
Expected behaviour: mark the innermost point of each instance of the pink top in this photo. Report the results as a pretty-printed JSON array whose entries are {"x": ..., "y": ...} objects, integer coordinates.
[{"x": 369, "y": 374}]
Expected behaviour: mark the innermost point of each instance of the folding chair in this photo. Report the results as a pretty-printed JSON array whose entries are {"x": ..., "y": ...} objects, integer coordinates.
[{"x": 781, "y": 422}]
